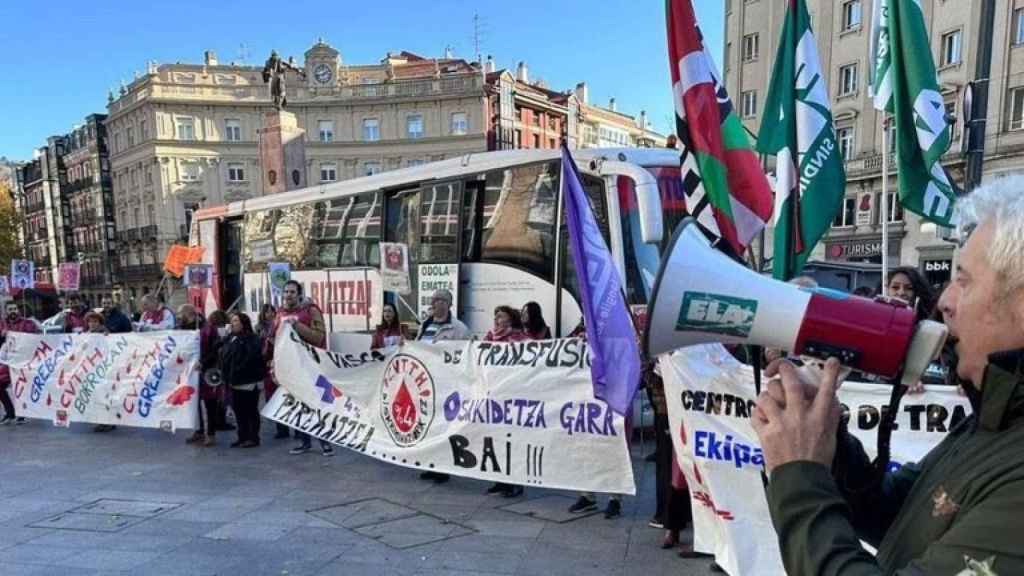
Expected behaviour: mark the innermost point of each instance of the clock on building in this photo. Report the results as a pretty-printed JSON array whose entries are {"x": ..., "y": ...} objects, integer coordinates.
[{"x": 323, "y": 73}]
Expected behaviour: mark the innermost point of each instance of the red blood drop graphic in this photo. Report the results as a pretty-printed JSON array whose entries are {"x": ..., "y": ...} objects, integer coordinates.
[
  {"x": 49, "y": 400},
  {"x": 403, "y": 410},
  {"x": 181, "y": 395},
  {"x": 71, "y": 358},
  {"x": 181, "y": 360}
]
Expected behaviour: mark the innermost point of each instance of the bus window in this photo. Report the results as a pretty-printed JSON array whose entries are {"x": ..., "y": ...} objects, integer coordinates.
[
  {"x": 673, "y": 198},
  {"x": 362, "y": 231},
  {"x": 472, "y": 219},
  {"x": 519, "y": 210},
  {"x": 439, "y": 224},
  {"x": 258, "y": 230},
  {"x": 595, "y": 191},
  {"x": 641, "y": 260},
  {"x": 293, "y": 242},
  {"x": 346, "y": 232}
]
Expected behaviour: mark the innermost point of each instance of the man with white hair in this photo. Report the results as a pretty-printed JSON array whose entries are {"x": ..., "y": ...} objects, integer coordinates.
[
  {"x": 960, "y": 510},
  {"x": 155, "y": 316}
]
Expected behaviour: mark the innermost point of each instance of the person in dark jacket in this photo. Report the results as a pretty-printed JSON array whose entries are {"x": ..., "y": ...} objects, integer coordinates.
[
  {"x": 116, "y": 321},
  {"x": 958, "y": 511},
  {"x": 243, "y": 367}
]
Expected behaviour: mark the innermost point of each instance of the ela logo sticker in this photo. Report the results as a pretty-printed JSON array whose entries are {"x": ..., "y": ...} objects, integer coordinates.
[{"x": 715, "y": 313}]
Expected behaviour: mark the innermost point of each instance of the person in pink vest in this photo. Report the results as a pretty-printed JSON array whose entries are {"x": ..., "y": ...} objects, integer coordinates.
[
  {"x": 12, "y": 322},
  {"x": 155, "y": 316},
  {"x": 308, "y": 322}
]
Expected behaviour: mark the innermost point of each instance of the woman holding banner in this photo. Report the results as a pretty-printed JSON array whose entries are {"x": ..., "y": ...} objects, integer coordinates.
[
  {"x": 390, "y": 332},
  {"x": 507, "y": 328},
  {"x": 12, "y": 322}
]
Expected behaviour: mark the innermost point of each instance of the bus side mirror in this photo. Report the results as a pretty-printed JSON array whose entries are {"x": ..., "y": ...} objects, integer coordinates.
[{"x": 647, "y": 196}]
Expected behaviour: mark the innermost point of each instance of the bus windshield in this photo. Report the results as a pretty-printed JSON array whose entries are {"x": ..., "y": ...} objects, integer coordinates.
[{"x": 642, "y": 260}]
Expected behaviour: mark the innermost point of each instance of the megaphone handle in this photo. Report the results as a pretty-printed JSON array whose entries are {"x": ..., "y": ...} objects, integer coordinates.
[{"x": 885, "y": 428}]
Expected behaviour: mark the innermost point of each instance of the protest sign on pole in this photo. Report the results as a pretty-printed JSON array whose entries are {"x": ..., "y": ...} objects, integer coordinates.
[
  {"x": 198, "y": 275},
  {"x": 23, "y": 274},
  {"x": 145, "y": 380},
  {"x": 516, "y": 412},
  {"x": 68, "y": 275},
  {"x": 711, "y": 397},
  {"x": 280, "y": 273},
  {"x": 179, "y": 256},
  {"x": 433, "y": 277},
  {"x": 394, "y": 267}
]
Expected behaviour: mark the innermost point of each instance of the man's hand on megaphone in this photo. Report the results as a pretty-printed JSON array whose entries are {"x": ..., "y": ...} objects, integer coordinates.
[{"x": 796, "y": 419}]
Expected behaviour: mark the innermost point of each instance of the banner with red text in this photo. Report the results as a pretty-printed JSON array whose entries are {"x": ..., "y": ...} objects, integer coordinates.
[
  {"x": 146, "y": 380},
  {"x": 517, "y": 412},
  {"x": 350, "y": 299},
  {"x": 710, "y": 398}
]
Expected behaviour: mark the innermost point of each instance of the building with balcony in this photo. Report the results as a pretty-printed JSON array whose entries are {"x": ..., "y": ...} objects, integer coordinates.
[
  {"x": 187, "y": 135},
  {"x": 842, "y": 31},
  {"x": 88, "y": 190},
  {"x": 44, "y": 213}
]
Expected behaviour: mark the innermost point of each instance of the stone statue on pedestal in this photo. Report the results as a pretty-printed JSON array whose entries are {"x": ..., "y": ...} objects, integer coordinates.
[{"x": 274, "y": 75}]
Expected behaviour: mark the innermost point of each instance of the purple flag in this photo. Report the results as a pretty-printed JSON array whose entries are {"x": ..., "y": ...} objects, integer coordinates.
[{"x": 614, "y": 354}]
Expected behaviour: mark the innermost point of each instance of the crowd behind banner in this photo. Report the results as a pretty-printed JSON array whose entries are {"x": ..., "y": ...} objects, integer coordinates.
[{"x": 236, "y": 361}]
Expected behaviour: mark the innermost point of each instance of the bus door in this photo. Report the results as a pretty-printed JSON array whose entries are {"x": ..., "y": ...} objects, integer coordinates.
[
  {"x": 426, "y": 220},
  {"x": 230, "y": 246}
]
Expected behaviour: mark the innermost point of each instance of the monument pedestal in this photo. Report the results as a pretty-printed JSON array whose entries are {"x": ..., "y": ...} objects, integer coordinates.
[{"x": 282, "y": 152}]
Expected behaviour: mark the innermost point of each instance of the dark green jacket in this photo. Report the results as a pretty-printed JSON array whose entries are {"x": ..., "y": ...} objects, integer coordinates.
[{"x": 960, "y": 508}]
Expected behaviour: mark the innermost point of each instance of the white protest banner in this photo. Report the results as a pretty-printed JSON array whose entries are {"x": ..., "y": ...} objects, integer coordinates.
[
  {"x": 350, "y": 299},
  {"x": 517, "y": 412},
  {"x": 394, "y": 267},
  {"x": 23, "y": 274},
  {"x": 146, "y": 380},
  {"x": 433, "y": 277},
  {"x": 710, "y": 398},
  {"x": 68, "y": 276}
]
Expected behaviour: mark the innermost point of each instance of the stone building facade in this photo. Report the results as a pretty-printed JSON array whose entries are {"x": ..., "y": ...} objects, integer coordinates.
[
  {"x": 187, "y": 135},
  {"x": 842, "y": 30}
]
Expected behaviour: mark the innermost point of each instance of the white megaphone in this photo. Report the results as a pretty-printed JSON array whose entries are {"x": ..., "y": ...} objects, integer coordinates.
[{"x": 701, "y": 295}]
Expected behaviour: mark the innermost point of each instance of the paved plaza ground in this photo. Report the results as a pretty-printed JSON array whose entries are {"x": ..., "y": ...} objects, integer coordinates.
[{"x": 142, "y": 502}]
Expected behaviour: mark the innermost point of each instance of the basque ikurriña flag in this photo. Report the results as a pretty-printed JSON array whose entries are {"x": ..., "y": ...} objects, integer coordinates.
[
  {"x": 735, "y": 188},
  {"x": 611, "y": 337}
]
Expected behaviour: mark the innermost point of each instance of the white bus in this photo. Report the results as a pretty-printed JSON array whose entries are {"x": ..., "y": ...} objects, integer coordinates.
[{"x": 489, "y": 226}]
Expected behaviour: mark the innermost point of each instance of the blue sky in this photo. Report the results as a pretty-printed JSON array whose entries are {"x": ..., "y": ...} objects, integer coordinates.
[{"x": 63, "y": 56}]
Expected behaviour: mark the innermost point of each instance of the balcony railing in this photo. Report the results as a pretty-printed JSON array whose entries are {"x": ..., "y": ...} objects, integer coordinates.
[
  {"x": 469, "y": 82},
  {"x": 140, "y": 273},
  {"x": 150, "y": 232}
]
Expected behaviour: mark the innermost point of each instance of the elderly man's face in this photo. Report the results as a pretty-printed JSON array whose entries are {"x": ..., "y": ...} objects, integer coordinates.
[
  {"x": 439, "y": 306},
  {"x": 977, "y": 315}
]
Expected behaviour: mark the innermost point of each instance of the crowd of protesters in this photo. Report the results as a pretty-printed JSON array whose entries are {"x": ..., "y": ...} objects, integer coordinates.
[{"x": 236, "y": 364}]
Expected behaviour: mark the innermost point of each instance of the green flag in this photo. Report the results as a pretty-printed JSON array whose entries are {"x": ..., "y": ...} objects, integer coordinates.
[
  {"x": 904, "y": 84},
  {"x": 797, "y": 128}
]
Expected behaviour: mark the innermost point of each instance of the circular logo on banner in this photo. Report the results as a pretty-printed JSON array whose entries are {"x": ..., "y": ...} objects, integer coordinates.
[{"x": 407, "y": 400}]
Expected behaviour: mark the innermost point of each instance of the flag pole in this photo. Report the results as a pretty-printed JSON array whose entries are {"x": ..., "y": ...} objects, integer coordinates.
[{"x": 885, "y": 199}]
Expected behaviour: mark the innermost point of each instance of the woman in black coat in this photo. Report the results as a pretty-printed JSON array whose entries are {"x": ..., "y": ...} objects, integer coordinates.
[{"x": 243, "y": 368}]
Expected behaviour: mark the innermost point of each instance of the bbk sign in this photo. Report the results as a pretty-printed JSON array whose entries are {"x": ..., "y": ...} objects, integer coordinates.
[{"x": 938, "y": 266}]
